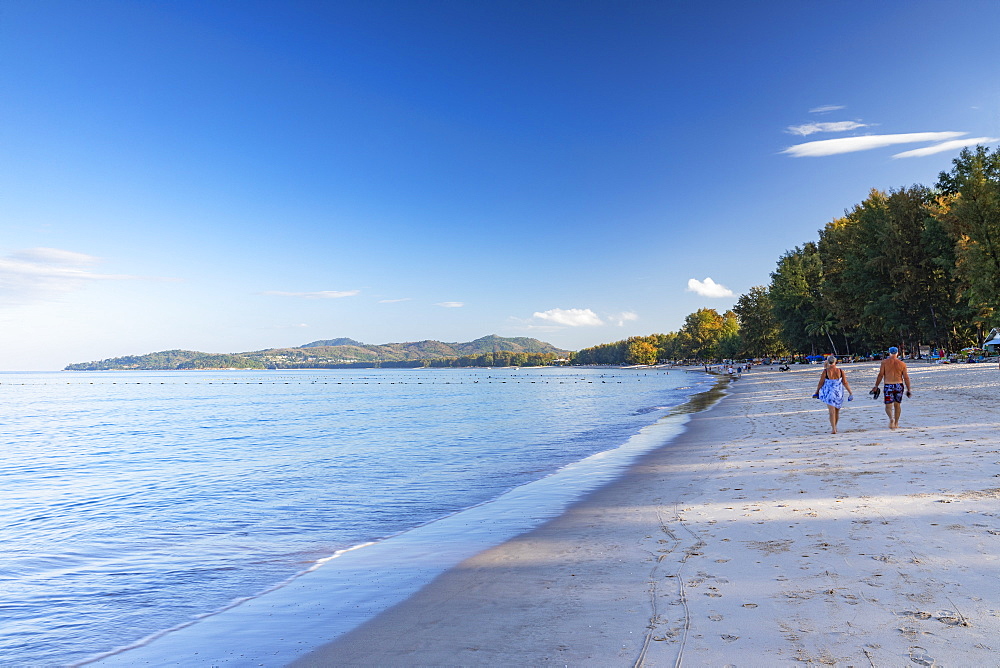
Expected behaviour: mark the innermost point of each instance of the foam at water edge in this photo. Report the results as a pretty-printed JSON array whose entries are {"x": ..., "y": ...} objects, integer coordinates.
[{"x": 341, "y": 591}]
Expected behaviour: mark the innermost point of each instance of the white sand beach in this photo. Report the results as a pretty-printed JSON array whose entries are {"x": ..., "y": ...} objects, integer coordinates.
[{"x": 757, "y": 538}]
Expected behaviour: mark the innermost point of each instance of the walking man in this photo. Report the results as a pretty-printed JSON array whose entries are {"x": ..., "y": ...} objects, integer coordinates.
[{"x": 893, "y": 370}]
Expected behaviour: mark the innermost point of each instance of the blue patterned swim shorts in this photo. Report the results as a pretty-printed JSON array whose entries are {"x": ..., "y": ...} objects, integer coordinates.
[{"x": 893, "y": 392}]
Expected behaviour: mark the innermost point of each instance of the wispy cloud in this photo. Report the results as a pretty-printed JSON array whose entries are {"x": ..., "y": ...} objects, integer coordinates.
[
  {"x": 572, "y": 317},
  {"x": 393, "y": 301},
  {"x": 622, "y": 318},
  {"x": 450, "y": 304},
  {"x": 865, "y": 143},
  {"x": 526, "y": 325},
  {"x": 838, "y": 126},
  {"x": 37, "y": 274},
  {"x": 826, "y": 109},
  {"x": 708, "y": 288},
  {"x": 319, "y": 294},
  {"x": 946, "y": 146}
]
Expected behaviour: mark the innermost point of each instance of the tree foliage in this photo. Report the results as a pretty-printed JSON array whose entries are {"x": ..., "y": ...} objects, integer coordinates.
[
  {"x": 222, "y": 362},
  {"x": 796, "y": 294},
  {"x": 760, "y": 330},
  {"x": 706, "y": 334},
  {"x": 907, "y": 267},
  {"x": 974, "y": 181}
]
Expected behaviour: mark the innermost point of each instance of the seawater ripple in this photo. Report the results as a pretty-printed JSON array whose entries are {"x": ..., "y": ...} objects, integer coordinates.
[{"x": 137, "y": 501}]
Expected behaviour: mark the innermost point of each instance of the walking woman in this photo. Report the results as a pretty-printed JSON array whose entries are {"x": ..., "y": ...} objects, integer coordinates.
[{"x": 830, "y": 390}]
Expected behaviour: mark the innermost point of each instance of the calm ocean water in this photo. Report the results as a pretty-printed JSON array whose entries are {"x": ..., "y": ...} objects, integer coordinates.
[{"x": 134, "y": 502}]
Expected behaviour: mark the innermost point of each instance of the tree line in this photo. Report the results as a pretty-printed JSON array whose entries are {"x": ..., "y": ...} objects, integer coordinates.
[
  {"x": 916, "y": 266},
  {"x": 911, "y": 267},
  {"x": 706, "y": 334}
]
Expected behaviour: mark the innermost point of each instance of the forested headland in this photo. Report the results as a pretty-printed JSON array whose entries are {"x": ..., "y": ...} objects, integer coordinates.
[
  {"x": 912, "y": 267},
  {"x": 346, "y": 353}
]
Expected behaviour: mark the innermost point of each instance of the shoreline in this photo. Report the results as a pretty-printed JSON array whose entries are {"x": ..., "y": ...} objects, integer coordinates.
[
  {"x": 343, "y": 591},
  {"x": 755, "y": 536}
]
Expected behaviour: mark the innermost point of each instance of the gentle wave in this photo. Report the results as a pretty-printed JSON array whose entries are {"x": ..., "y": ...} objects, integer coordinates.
[{"x": 139, "y": 502}]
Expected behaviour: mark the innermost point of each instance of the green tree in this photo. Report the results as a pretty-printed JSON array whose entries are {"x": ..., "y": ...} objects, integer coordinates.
[
  {"x": 823, "y": 324},
  {"x": 700, "y": 334},
  {"x": 730, "y": 346},
  {"x": 888, "y": 271},
  {"x": 975, "y": 215},
  {"x": 796, "y": 295},
  {"x": 759, "y": 329},
  {"x": 641, "y": 351},
  {"x": 667, "y": 347}
]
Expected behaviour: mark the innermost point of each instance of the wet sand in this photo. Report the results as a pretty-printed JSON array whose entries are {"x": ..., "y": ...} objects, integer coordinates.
[{"x": 755, "y": 538}]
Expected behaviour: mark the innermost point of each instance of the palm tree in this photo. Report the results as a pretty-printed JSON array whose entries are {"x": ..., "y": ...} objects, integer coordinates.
[{"x": 823, "y": 325}]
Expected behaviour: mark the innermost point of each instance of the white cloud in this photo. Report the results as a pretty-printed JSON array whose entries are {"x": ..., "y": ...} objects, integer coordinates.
[
  {"x": 708, "y": 288},
  {"x": 627, "y": 316},
  {"x": 451, "y": 304},
  {"x": 543, "y": 328},
  {"x": 393, "y": 301},
  {"x": 37, "y": 274},
  {"x": 320, "y": 294},
  {"x": 826, "y": 108},
  {"x": 54, "y": 256},
  {"x": 865, "y": 143},
  {"x": 573, "y": 317},
  {"x": 839, "y": 126},
  {"x": 946, "y": 146}
]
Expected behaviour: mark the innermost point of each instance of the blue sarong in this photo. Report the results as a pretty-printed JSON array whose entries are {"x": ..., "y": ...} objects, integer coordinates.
[{"x": 832, "y": 393}]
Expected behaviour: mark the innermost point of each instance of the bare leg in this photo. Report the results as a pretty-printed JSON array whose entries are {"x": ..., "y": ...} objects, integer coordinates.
[
  {"x": 834, "y": 414},
  {"x": 898, "y": 409},
  {"x": 888, "y": 412}
]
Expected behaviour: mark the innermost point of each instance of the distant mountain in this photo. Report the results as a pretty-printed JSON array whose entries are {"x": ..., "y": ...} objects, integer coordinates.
[
  {"x": 494, "y": 343},
  {"x": 331, "y": 353},
  {"x": 349, "y": 351},
  {"x": 332, "y": 342}
]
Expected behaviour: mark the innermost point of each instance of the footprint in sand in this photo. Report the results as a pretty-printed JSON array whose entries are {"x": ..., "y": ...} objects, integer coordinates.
[
  {"x": 950, "y": 618},
  {"x": 919, "y": 656}
]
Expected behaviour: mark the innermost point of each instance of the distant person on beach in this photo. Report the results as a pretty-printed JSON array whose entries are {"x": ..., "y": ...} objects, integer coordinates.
[
  {"x": 893, "y": 370},
  {"x": 830, "y": 390}
]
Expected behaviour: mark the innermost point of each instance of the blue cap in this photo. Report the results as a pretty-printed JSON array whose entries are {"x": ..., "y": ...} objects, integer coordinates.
[{"x": 894, "y": 349}]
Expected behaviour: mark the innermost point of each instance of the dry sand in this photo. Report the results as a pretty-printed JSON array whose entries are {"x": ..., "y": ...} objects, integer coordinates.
[{"x": 757, "y": 538}]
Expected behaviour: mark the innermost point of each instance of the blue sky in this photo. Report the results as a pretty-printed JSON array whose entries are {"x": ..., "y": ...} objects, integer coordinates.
[{"x": 225, "y": 176}]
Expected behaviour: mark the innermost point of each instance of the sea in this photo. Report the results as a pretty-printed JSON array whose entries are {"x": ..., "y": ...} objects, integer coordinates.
[{"x": 243, "y": 517}]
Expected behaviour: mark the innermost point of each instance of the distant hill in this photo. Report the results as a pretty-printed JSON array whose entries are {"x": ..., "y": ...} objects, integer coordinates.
[
  {"x": 332, "y": 353},
  {"x": 332, "y": 342},
  {"x": 165, "y": 359}
]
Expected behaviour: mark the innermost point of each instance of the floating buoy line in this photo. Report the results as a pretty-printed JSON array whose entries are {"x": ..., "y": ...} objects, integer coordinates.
[{"x": 489, "y": 380}]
